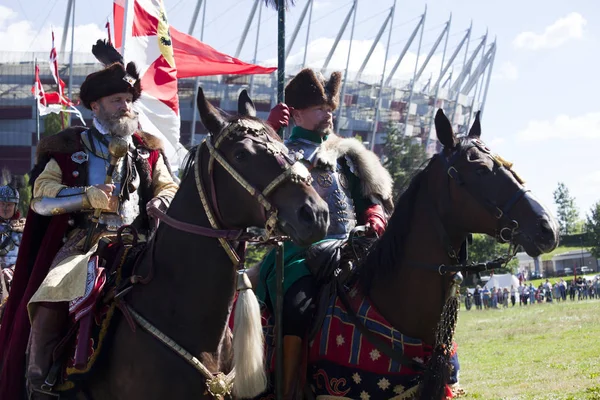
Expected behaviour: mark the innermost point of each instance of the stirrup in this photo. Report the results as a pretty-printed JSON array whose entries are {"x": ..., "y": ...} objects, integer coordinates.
[{"x": 44, "y": 389}]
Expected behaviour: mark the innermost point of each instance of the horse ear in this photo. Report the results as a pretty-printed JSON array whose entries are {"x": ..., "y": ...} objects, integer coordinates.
[
  {"x": 211, "y": 118},
  {"x": 443, "y": 129},
  {"x": 475, "y": 131},
  {"x": 245, "y": 105}
]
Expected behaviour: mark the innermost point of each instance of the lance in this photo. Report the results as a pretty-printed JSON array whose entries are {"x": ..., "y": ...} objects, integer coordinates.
[{"x": 117, "y": 148}]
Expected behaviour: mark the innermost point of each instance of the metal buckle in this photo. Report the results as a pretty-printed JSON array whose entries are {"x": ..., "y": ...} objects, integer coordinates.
[
  {"x": 450, "y": 174},
  {"x": 440, "y": 269},
  {"x": 500, "y": 213},
  {"x": 501, "y": 234}
]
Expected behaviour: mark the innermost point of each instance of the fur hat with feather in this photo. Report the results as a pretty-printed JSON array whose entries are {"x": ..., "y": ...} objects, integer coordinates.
[{"x": 114, "y": 78}]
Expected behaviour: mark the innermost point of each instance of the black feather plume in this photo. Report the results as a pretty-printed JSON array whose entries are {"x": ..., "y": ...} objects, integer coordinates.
[
  {"x": 275, "y": 3},
  {"x": 106, "y": 53}
]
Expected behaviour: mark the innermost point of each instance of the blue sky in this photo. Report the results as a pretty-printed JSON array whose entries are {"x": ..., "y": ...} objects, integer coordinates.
[{"x": 541, "y": 112}]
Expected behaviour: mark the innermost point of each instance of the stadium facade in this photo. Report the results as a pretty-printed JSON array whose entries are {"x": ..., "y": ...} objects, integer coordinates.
[{"x": 370, "y": 106}]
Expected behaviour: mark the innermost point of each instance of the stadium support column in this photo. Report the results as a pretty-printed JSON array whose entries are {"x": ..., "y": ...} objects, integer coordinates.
[
  {"x": 197, "y": 80},
  {"x": 375, "y": 41},
  {"x": 388, "y": 82},
  {"x": 452, "y": 57},
  {"x": 63, "y": 42},
  {"x": 487, "y": 85},
  {"x": 343, "y": 93},
  {"x": 256, "y": 47},
  {"x": 480, "y": 75},
  {"x": 297, "y": 29},
  {"x": 412, "y": 84},
  {"x": 195, "y": 17},
  {"x": 307, "y": 33},
  {"x": 431, "y": 139},
  {"x": 378, "y": 106},
  {"x": 246, "y": 29},
  {"x": 453, "y": 117},
  {"x": 339, "y": 36}
]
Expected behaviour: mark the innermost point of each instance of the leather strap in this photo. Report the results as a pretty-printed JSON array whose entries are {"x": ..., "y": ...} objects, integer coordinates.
[{"x": 382, "y": 346}]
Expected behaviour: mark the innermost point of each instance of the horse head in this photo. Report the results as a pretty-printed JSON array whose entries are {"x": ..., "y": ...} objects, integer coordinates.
[
  {"x": 273, "y": 189},
  {"x": 492, "y": 196}
]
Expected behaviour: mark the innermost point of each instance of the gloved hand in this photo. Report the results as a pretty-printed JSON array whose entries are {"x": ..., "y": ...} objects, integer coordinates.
[
  {"x": 375, "y": 220},
  {"x": 279, "y": 116},
  {"x": 100, "y": 197}
]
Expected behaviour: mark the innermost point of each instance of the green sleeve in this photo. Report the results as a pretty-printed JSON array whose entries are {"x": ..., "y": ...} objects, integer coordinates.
[{"x": 361, "y": 203}]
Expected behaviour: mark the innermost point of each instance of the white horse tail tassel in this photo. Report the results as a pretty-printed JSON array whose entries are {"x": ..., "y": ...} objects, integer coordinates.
[{"x": 248, "y": 341}]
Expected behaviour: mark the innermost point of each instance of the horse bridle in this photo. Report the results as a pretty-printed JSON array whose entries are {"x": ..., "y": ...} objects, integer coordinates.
[
  {"x": 506, "y": 226},
  {"x": 219, "y": 384},
  {"x": 292, "y": 170}
]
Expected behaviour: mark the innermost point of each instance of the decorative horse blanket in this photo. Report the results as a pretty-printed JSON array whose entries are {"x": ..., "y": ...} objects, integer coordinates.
[{"x": 343, "y": 364}]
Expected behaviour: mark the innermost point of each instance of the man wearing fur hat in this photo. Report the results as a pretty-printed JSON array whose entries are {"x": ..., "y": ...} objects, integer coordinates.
[
  {"x": 348, "y": 177},
  {"x": 68, "y": 185}
]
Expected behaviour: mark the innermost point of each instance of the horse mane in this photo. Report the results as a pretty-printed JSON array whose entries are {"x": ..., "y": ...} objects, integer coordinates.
[
  {"x": 189, "y": 160},
  {"x": 390, "y": 247}
]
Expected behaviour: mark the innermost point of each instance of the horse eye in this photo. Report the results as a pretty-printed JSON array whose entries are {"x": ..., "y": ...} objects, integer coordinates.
[
  {"x": 241, "y": 155},
  {"x": 473, "y": 156},
  {"x": 481, "y": 171}
]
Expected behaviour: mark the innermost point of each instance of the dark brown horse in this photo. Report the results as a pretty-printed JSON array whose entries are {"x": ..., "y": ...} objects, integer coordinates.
[
  {"x": 409, "y": 273},
  {"x": 190, "y": 294}
]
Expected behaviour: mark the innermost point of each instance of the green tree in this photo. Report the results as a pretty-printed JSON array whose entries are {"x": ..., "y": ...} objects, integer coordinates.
[
  {"x": 25, "y": 195},
  {"x": 403, "y": 156},
  {"x": 592, "y": 228},
  {"x": 566, "y": 209},
  {"x": 54, "y": 123}
]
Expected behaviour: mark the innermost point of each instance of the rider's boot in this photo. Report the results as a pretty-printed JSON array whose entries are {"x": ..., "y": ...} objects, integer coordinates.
[
  {"x": 47, "y": 329},
  {"x": 292, "y": 360}
]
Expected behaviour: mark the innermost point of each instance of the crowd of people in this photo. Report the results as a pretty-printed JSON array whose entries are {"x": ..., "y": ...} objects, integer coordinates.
[{"x": 578, "y": 289}]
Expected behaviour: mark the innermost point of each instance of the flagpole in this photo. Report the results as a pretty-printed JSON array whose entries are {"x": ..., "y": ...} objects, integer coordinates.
[
  {"x": 70, "y": 61},
  {"x": 256, "y": 46},
  {"x": 196, "y": 82},
  {"x": 124, "y": 31},
  {"x": 37, "y": 119}
]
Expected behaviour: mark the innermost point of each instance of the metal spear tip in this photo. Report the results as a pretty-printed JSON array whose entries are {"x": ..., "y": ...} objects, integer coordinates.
[{"x": 118, "y": 147}]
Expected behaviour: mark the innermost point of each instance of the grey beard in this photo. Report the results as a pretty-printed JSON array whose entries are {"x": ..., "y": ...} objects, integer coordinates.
[
  {"x": 324, "y": 131},
  {"x": 123, "y": 126}
]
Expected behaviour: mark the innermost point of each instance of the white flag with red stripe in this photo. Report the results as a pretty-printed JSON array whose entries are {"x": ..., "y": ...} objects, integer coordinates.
[
  {"x": 52, "y": 102},
  {"x": 148, "y": 43},
  {"x": 54, "y": 68}
]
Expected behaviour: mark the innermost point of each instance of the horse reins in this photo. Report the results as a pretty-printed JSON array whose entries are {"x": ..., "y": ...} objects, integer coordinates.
[
  {"x": 219, "y": 385},
  {"x": 506, "y": 227}
]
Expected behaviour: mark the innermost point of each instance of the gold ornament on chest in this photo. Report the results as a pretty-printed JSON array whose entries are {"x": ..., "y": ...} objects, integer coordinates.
[{"x": 325, "y": 179}]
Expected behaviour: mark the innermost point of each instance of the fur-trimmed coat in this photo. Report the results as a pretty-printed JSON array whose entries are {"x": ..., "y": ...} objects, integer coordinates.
[{"x": 376, "y": 181}]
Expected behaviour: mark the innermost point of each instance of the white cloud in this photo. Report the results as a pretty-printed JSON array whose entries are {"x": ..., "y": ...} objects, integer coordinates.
[
  {"x": 563, "y": 127},
  {"x": 506, "y": 72},
  {"x": 555, "y": 35},
  {"x": 21, "y": 36},
  {"x": 495, "y": 142},
  {"x": 318, "y": 50}
]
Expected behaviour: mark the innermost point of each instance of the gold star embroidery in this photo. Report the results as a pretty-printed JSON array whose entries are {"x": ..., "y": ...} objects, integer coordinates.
[
  {"x": 356, "y": 378},
  {"x": 383, "y": 384},
  {"x": 364, "y": 395},
  {"x": 398, "y": 389},
  {"x": 375, "y": 354},
  {"x": 340, "y": 340}
]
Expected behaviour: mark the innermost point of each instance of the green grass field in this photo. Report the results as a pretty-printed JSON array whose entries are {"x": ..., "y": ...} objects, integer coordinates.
[{"x": 544, "y": 351}]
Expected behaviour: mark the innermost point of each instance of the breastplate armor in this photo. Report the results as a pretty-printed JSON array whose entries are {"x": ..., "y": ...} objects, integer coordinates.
[
  {"x": 332, "y": 186},
  {"x": 9, "y": 245},
  {"x": 98, "y": 162}
]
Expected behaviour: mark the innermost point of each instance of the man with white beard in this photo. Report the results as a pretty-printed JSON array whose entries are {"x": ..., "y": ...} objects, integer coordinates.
[{"x": 68, "y": 185}]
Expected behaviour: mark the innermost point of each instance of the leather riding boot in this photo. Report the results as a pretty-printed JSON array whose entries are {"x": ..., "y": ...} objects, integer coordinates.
[
  {"x": 292, "y": 360},
  {"x": 47, "y": 330}
]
